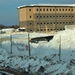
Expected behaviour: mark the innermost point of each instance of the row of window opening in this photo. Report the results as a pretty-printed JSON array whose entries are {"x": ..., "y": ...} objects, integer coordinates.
[
  {"x": 51, "y": 9},
  {"x": 49, "y": 23},
  {"x": 54, "y": 23},
  {"x": 49, "y": 29},
  {"x": 54, "y": 9},
  {"x": 54, "y": 16}
]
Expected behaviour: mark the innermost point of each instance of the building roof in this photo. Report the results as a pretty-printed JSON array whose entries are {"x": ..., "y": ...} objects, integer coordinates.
[{"x": 33, "y": 5}]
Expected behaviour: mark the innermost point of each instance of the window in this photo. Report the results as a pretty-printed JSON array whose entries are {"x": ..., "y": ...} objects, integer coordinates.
[
  {"x": 53, "y": 9},
  {"x": 62, "y": 9},
  {"x": 47, "y": 16},
  {"x": 53, "y": 16},
  {"x": 30, "y": 16},
  {"x": 41, "y": 29},
  {"x": 69, "y": 22},
  {"x": 37, "y": 29},
  {"x": 29, "y": 9},
  {"x": 40, "y": 23},
  {"x": 63, "y": 16},
  {"x": 50, "y": 9},
  {"x": 54, "y": 22},
  {"x": 31, "y": 30},
  {"x": 43, "y": 16},
  {"x": 60, "y": 16},
  {"x": 57, "y": 22},
  {"x": 60, "y": 22},
  {"x": 50, "y": 22},
  {"x": 71, "y": 9},
  {"x": 48, "y": 29},
  {"x": 66, "y": 9},
  {"x": 43, "y": 9},
  {"x": 47, "y": 22},
  {"x": 72, "y": 22},
  {"x": 56, "y": 16},
  {"x": 40, "y": 16},
  {"x": 72, "y": 16},
  {"x": 40, "y": 9},
  {"x": 36, "y": 9},
  {"x": 37, "y": 16},
  {"x": 44, "y": 29},
  {"x": 50, "y": 16},
  {"x": 47, "y": 9},
  {"x": 44, "y": 23},
  {"x": 56, "y": 9},
  {"x": 37, "y": 23},
  {"x": 30, "y": 23},
  {"x": 59, "y": 9}
]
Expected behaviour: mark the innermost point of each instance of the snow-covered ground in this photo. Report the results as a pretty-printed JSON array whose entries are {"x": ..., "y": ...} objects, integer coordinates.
[{"x": 44, "y": 59}]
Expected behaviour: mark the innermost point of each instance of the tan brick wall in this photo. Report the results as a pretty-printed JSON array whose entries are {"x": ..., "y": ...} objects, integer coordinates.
[{"x": 60, "y": 16}]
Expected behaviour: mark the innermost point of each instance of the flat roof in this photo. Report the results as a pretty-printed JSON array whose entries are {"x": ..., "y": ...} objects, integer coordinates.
[{"x": 37, "y": 5}]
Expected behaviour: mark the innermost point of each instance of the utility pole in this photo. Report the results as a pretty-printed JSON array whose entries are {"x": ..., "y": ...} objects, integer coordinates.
[
  {"x": 11, "y": 43},
  {"x": 29, "y": 44},
  {"x": 60, "y": 49},
  {"x": 1, "y": 39}
]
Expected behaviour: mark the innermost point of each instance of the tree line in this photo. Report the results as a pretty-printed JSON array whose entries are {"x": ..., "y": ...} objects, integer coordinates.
[{"x": 12, "y": 26}]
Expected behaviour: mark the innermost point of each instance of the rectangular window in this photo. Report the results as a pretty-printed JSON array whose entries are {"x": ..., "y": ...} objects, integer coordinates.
[
  {"x": 29, "y": 9},
  {"x": 47, "y": 9},
  {"x": 68, "y": 9},
  {"x": 53, "y": 9},
  {"x": 37, "y": 23},
  {"x": 36, "y": 9},
  {"x": 71, "y": 9},
  {"x": 40, "y": 9},
  {"x": 30, "y": 16},
  {"x": 47, "y": 16},
  {"x": 40, "y": 16},
  {"x": 43, "y": 16},
  {"x": 50, "y": 9},
  {"x": 37, "y": 16},
  {"x": 43, "y": 9},
  {"x": 59, "y": 9},
  {"x": 56, "y": 9},
  {"x": 72, "y": 16},
  {"x": 30, "y": 23},
  {"x": 47, "y": 22},
  {"x": 62, "y": 9}
]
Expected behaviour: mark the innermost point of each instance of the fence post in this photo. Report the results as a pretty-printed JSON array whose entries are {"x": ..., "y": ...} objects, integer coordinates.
[
  {"x": 29, "y": 44},
  {"x": 60, "y": 49}
]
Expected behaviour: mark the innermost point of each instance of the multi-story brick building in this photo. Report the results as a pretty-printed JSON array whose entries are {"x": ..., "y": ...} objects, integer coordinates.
[{"x": 46, "y": 17}]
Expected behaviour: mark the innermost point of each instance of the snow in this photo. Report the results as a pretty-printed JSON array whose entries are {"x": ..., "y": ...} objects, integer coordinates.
[
  {"x": 45, "y": 54},
  {"x": 47, "y": 5}
]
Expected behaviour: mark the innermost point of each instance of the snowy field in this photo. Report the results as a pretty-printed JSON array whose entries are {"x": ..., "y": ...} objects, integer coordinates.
[{"x": 44, "y": 59}]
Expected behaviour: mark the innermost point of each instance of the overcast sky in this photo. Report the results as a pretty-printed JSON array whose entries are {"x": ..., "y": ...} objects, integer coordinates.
[{"x": 9, "y": 12}]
